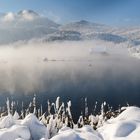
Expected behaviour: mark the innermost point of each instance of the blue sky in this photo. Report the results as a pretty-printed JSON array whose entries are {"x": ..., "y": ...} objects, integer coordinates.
[{"x": 114, "y": 12}]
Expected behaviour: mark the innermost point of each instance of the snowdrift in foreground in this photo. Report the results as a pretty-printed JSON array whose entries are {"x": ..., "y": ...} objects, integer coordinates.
[
  {"x": 28, "y": 129},
  {"x": 124, "y": 127},
  {"x": 85, "y": 133}
]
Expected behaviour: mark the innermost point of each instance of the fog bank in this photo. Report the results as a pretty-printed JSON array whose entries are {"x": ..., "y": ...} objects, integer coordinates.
[{"x": 51, "y": 67}]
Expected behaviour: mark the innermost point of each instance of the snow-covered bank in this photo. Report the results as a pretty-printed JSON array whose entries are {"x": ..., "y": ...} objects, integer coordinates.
[
  {"x": 125, "y": 126},
  {"x": 27, "y": 129},
  {"x": 84, "y": 133}
]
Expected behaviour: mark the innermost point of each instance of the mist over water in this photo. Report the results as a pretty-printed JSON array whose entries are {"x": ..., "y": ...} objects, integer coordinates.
[{"x": 72, "y": 70}]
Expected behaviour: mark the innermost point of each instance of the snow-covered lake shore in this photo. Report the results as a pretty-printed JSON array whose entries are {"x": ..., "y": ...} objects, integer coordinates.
[{"x": 125, "y": 127}]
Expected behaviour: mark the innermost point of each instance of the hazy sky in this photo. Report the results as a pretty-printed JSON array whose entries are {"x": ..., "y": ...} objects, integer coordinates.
[{"x": 116, "y": 12}]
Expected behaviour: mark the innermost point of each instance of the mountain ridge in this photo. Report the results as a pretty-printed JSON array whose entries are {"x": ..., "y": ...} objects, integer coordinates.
[{"x": 27, "y": 24}]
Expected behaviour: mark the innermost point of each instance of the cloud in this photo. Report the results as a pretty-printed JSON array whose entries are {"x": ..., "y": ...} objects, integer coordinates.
[
  {"x": 9, "y": 17},
  {"x": 22, "y": 15}
]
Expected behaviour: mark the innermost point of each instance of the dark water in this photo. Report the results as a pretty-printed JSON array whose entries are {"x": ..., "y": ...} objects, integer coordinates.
[{"x": 114, "y": 80}]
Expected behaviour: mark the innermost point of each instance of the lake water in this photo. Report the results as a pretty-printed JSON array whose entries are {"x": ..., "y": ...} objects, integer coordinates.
[{"x": 113, "y": 77}]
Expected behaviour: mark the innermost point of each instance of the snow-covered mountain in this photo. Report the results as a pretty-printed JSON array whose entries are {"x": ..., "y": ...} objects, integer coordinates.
[
  {"x": 27, "y": 24},
  {"x": 85, "y": 27},
  {"x": 85, "y": 30},
  {"x": 24, "y": 25},
  {"x": 64, "y": 35},
  {"x": 27, "y": 14}
]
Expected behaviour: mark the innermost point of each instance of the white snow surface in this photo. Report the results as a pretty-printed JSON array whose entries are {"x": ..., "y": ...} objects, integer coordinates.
[
  {"x": 124, "y": 127},
  {"x": 37, "y": 129},
  {"x": 29, "y": 128},
  {"x": 85, "y": 133}
]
